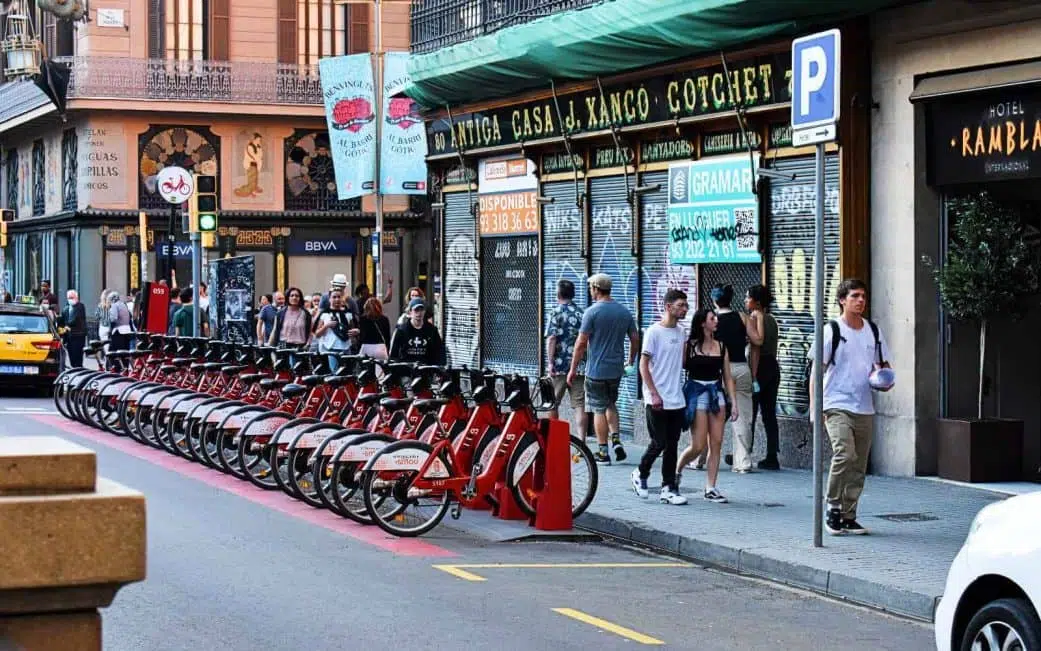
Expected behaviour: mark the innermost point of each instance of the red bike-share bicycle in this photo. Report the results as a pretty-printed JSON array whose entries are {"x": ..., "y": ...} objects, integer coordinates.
[{"x": 408, "y": 486}]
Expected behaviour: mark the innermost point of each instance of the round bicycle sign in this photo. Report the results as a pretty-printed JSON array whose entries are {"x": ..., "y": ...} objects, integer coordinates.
[{"x": 175, "y": 184}]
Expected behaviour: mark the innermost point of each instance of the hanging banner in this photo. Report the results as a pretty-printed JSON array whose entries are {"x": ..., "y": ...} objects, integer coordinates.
[
  {"x": 403, "y": 147},
  {"x": 349, "y": 94},
  {"x": 713, "y": 214}
]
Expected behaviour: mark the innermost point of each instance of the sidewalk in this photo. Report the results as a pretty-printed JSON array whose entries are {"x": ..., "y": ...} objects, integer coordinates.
[{"x": 917, "y": 527}]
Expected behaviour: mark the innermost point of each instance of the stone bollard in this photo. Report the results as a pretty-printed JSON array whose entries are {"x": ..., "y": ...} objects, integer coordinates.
[{"x": 68, "y": 541}]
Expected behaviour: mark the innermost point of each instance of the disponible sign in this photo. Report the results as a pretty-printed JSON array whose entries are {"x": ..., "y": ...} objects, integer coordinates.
[
  {"x": 713, "y": 215},
  {"x": 508, "y": 196},
  {"x": 985, "y": 137}
]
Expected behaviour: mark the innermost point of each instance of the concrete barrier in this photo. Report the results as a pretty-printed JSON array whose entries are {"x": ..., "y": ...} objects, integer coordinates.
[{"x": 68, "y": 542}]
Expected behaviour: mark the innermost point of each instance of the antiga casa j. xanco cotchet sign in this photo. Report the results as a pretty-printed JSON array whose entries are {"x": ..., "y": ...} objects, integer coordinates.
[{"x": 760, "y": 81}]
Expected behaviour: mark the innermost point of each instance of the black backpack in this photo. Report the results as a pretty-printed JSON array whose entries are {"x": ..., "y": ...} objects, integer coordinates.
[{"x": 836, "y": 339}]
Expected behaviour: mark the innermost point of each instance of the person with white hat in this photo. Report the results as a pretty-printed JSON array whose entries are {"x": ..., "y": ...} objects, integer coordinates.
[
  {"x": 857, "y": 362},
  {"x": 339, "y": 283}
]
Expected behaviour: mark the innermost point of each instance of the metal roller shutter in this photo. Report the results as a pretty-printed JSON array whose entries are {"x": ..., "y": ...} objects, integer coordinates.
[
  {"x": 561, "y": 246},
  {"x": 612, "y": 233},
  {"x": 657, "y": 276},
  {"x": 509, "y": 295},
  {"x": 791, "y": 268},
  {"x": 740, "y": 276},
  {"x": 461, "y": 283}
]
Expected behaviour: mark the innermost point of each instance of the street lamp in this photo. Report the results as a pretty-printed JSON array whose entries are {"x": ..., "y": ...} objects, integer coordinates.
[{"x": 20, "y": 47}]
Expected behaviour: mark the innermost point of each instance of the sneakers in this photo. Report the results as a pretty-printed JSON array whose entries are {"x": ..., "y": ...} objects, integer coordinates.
[
  {"x": 619, "y": 451},
  {"x": 833, "y": 523},
  {"x": 713, "y": 495},
  {"x": 671, "y": 496},
  {"x": 602, "y": 458},
  {"x": 639, "y": 484},
  {"x": 853, "y": 528},
  {"x": 769, "y": 464}
]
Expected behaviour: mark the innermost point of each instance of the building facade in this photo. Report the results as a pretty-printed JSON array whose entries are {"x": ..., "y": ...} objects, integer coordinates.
[
  {"x": 226, "y": 87},
  {"x": 957, "y": 94},
  {"x": 571, "y": 178}
]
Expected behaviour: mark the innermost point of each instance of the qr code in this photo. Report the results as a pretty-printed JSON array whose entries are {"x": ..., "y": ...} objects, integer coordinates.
[{"x": 747, "y": 229}]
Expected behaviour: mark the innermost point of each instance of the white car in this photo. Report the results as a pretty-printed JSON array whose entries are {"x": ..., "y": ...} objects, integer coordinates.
[{"x": 993, "y": 590}]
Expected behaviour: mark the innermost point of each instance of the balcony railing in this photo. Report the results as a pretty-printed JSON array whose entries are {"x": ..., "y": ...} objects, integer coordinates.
[
  {"x": 237, "y": 82},
  {"x": 440, "y": 23}
]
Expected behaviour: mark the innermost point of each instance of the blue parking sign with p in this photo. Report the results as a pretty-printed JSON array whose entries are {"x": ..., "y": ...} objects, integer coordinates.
[{"x": 815, "y": 79}]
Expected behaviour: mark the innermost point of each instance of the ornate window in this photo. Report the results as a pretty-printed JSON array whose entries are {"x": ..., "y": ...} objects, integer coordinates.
[
  {"x": 39, "y": 179},
  {"x": 311, "y": 29},
  {"x": 11, "y": 181},
  {"x": 188, "y": 30},
  {"x": 69, "y": 157},
  {"x": 194, "y": 148},
  {"x": 310, "y": 177}
]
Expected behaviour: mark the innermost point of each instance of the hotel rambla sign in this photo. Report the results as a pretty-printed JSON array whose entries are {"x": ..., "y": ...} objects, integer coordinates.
[
  {"x": 985, "y": 137},
  {"x": 702, "y": 91}
]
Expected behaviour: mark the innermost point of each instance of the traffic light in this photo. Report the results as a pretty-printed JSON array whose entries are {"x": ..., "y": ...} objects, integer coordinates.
[
  {"x": 202, "y": 209},
  {"x": 5, "y": 216}
]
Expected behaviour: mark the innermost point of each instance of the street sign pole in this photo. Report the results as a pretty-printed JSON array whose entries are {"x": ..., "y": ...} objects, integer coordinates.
[
  {"x": 376, "y": 251},
  {"x": 171, "y": 238},
  {"x": 815, "y": 114},
  {"x": 196, "y": 237}
]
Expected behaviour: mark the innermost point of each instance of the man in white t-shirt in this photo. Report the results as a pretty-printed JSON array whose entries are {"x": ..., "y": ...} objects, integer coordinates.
[
  {"x": 848, "y": 403},
  {"x": 661, "y": 367}
]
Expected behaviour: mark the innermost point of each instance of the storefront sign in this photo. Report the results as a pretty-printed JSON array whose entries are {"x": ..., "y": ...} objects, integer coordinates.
[
  {"x": 985, "y": 137},
  {"x": 253, "y": 239},
  {"x": 611, "y": 156},
  {"x": 657, "y": 151},
  {"x": 403, "y": 167},
  {"x": 754, "y": 82},
  {"x": 101, "y": 154},
  {"x": 116, "y": 238},
  {"x": 729, "y": 142},
  {"x": 780, "y": 135},
  {"x": 349, "y": 94},
  {"x": 391, "y": 241},
  {"x": 181, "y": 250},
  {"x": 338, "y": 246},
  {"x": 557, "y": 161},
  {"x": 713, "y": 215}
]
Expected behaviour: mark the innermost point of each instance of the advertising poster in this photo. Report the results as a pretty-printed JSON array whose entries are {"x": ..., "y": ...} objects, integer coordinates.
[
  {"x": 349, "y": 94},
  {"x": 403, "y": 147},
  {"x": 232, "y": 298}
]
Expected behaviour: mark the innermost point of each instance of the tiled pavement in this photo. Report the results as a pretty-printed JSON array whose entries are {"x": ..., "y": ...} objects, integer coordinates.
[{"x": 917, "y": 527}]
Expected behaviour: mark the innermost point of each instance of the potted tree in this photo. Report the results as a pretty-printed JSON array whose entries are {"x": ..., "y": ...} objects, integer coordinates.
[{"x": 990, "y": 270}]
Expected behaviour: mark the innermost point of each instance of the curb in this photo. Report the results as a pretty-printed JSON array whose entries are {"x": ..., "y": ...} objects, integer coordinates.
[{"x": 871, "y": 594}]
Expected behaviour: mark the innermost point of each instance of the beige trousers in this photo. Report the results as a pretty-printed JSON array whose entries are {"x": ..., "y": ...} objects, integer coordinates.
[{"x": 850, "y": 436}]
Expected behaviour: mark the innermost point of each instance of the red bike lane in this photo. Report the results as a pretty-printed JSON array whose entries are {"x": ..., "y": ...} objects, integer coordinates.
[{"x": 275, "y": 500}]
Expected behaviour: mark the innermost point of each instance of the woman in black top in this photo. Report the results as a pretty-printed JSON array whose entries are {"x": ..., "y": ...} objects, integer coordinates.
[
  {"x": 708, "y": 374},
  {"x": 373, "y": 330},
  {"x": 763, "y": 334},
  {"x": 733, "y": 333}
]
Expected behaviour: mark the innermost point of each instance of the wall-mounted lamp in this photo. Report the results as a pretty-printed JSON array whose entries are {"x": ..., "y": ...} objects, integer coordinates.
[
  {"x": 766, "y": 172},
  {"x": 20, "y": 46},
  {"x": 545, "y": 200},
  {"x": 645, "y": 189}
]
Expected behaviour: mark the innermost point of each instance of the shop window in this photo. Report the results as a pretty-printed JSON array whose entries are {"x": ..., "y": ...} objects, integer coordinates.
[
  {"x": 39, "y": 179},
  {"x": 194, "y": 148},
  {"x": 69, "y": 154},
  {"x": 11, "y": 180},
  {"x": 310, "y": 176},
  {"x": 311, "y": 29}
]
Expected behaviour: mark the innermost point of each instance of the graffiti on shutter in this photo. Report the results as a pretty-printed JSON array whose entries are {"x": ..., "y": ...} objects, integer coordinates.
[
  {"x": 791, "y": 220},
  {"x": 612, "y": 255},
  {"x": 657, "y": 276},
  {"x": 509, "y": 296},
  {"x": 561, "y": 247},
  {"x": 461, "y": 283}
]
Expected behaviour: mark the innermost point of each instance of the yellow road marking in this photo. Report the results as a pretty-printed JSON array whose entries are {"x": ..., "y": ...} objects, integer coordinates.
[
  {"x": 459, "y": 569},
  {"x": 462, "y": 574},
  {"x": 605, "y": 625}
]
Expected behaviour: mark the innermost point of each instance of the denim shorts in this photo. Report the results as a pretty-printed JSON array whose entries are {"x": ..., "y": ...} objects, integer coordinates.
[
  {"x": 702, "y": 404},
  {"x": 601, "y": 395}
]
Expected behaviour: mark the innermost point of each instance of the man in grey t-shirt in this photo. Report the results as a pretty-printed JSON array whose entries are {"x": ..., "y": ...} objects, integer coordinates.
[{"x": 605, "y": 325}]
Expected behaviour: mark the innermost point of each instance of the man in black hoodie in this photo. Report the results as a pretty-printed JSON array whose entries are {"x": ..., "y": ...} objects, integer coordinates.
[{"x": 417, "y": 340}]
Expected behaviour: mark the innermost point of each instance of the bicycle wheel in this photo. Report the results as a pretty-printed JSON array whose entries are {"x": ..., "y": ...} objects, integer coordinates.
[
  {"x": 257, "y": 459},
  {"x": 520, "y": 474},
  {"x": 394, "y": 505},
  {"x": 305, "y": 484},
  {"x": 322, "y": 467},
  {"x": 346, "y": 473},
  {"x": 280, "y": 441}
]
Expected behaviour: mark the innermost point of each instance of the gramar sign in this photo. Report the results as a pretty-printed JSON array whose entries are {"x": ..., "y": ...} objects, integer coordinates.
[
  {"x": 985, "y": 137},
  {"x": 761, "y": 81}
]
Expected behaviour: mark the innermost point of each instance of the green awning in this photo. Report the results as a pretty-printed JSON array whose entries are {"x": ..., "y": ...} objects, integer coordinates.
[{"x": 609, "y": 38}]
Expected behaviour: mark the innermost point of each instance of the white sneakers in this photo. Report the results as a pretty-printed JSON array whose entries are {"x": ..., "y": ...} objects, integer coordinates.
[
  {"x": 669, "y": 496},
  {"x": 639, "y": 485}
]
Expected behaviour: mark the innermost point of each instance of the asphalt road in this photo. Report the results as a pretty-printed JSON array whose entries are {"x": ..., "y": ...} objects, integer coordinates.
[{"x": 234, "y": 568}]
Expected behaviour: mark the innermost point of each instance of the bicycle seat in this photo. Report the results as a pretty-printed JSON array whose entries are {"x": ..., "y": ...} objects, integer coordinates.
[
  {"x": 212, "y": 366},
  {"x": 484, "y": 393},
  {"x": 181, "y": 361},
  {"x": 232, "y": 370},
  {"x": 394, "y": 404},
  {"x": 372, "y": 398},
  {"x": 294, "y": 390},
  {"x": 139, "y": 353},
  {"x": 154, "y": 362},
  {"x": 96, "y": 345},
  {"x": 167, "y": 369},
  {"x": 119, "y": 354},
  {"x": 197, "y": 366},
  {"x": 251, "y": 378},
  {"x": 427, "y": 405},
  {"x": 271, "y": 383},
  {"x": 311, "y": 380},
  {"x": 337, "y": 380},
  {"x": 399, "y": 368},
  {"x": 430, "y": 370}
]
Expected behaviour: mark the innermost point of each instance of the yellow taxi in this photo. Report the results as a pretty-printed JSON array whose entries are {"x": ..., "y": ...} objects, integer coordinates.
[{"x": 30, "y": 348}]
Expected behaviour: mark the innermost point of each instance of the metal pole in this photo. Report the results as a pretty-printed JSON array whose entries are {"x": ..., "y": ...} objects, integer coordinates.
[
  {"x": 818, "y": 354},
  {"x": 142, "y": 221},
  {"x": 170, "y": 239},
  {"x": 378, "y": 244},
  {"x": 196, "y": 278}
]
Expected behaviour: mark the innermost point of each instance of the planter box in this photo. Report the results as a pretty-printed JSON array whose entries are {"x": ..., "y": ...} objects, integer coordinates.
[{"x": 980, "y": 450}]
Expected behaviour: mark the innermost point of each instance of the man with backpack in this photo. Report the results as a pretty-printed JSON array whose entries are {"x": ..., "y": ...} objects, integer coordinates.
[{"x": 855, "y": 351}]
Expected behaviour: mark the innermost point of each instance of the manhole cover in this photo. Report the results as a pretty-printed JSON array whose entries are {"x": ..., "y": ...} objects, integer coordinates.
[{"x": 908, "y": 517}]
